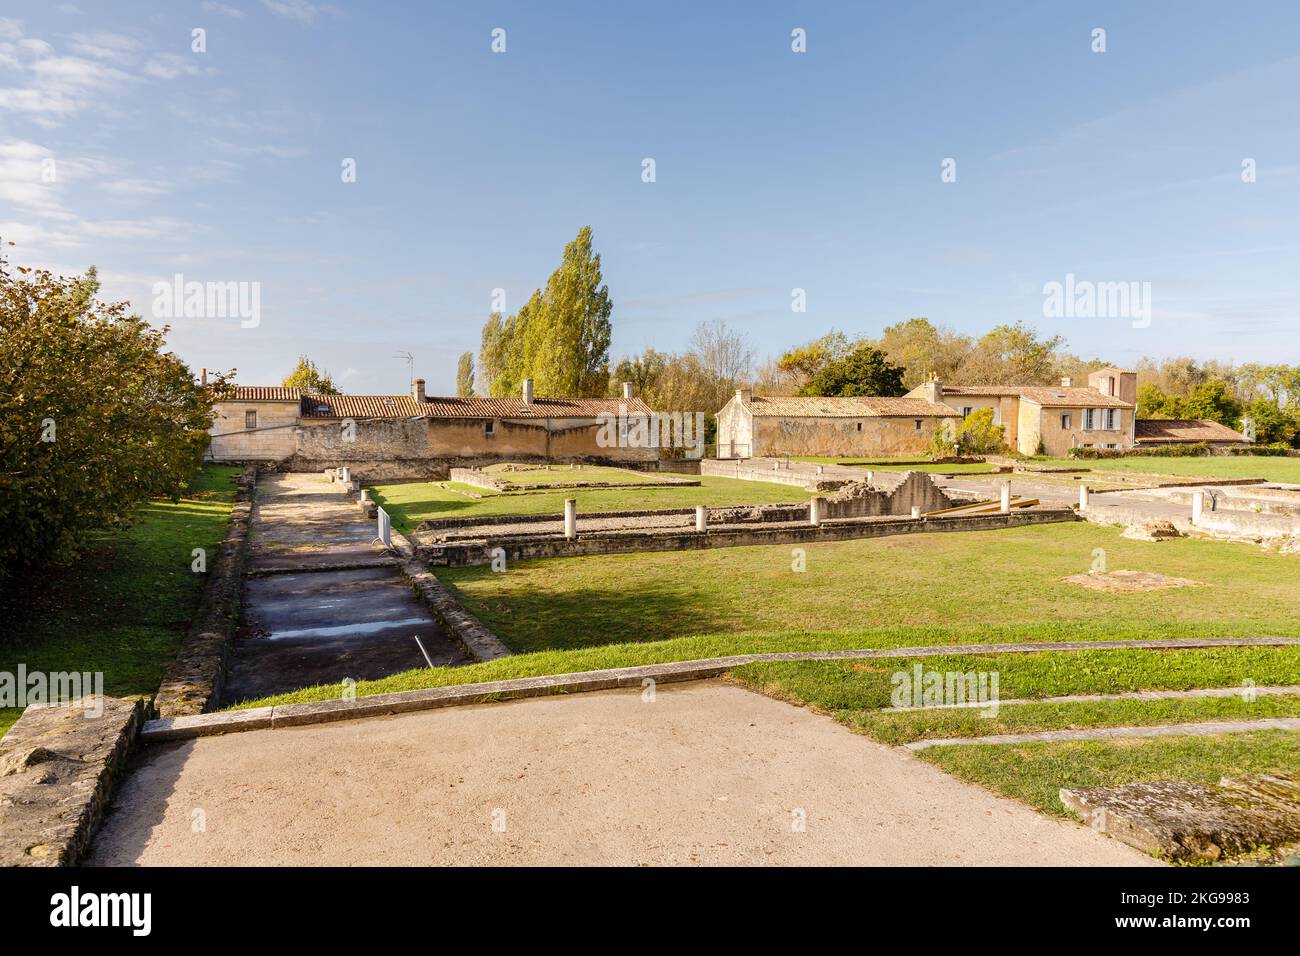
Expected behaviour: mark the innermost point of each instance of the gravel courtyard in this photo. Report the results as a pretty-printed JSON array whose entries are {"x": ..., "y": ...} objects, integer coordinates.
[{"x": 705, "y": 773}]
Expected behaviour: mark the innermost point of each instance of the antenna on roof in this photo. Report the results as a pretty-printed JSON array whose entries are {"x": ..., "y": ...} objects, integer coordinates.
[{"x": 410, "y": 366}]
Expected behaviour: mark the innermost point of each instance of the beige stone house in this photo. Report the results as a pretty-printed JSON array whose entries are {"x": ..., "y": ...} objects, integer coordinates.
[
  {"x": 1051, "y": 419},
  {"x": 751, "y": 426},
  {"x": 276, "y": 424}
]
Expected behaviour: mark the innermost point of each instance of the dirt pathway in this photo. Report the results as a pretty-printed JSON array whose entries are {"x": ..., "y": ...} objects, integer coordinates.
[
  {"x": 703, "y": 774},
  {"x": 307, "y": 624}
]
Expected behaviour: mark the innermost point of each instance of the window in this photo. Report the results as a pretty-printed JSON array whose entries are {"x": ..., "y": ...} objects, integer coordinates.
[
  {"x": 917, "y": 424},
  {"x": 250, "y": 419},
  {"x": 489, "y": 429},
  {"x": 1066, "y": 420},
  {"x": 859, "y": 426},
  {"x": 1110, "y": 419},
  {"x": 966, "y": 410},
  {"x": 1088, "y": 419}
]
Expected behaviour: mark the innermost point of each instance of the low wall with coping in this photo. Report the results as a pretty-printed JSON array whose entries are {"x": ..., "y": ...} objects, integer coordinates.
[
  {"x": 522, "y": 548},
  {"x": 193, "y": 683}
]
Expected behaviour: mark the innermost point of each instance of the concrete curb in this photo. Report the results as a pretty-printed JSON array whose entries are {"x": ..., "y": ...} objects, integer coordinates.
[
  {"x": 1114, "y": 733},
  {"x": 292, "y": 715},
  {"x": 193, "y": 683}
]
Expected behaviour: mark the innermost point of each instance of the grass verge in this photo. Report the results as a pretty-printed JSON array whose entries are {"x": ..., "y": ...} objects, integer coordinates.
[{"x": 122, "y": 607}]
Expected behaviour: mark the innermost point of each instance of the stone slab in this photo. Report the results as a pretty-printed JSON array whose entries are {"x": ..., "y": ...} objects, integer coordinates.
[
  {"x": 1186, "y": 821},
  {"x": 58, "y": 766}
]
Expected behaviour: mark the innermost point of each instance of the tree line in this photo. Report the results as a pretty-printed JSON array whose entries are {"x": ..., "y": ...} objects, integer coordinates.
[{"x": 560, "y": 338}]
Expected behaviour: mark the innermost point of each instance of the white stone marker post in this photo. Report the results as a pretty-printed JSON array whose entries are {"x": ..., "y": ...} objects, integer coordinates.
[
  {"x": 815, "y": 511},
  {"x": 916, "y": 512},
  {"x": 570, "y": 518},
  {"x": 364, "y": 495},
  {"x": 701, "y": 518},
  {"x": 1198, "y": 505},
  {"x": 870, "y": 476},
  {"x": 1005, "y": 507},
  {"x": 1083, "y": 497}
]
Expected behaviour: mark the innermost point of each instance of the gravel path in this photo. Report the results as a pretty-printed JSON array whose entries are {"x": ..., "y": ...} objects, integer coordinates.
[{"x": 702, "y": 775}]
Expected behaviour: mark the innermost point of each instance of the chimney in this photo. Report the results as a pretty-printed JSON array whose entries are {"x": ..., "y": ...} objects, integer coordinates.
[
  {"x": 417, "y": 390},
  {"x": 528, "y": 391},
  {"x": 203, "y": 376},
  {"x": 744, "y": 395},
  {"x": 627, "y": 391},
  {"x": 932, "y": 391},
  {"x": 1067, "y": 382}
]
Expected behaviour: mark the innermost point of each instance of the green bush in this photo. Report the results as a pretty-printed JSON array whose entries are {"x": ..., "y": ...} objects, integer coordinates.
[{"x": 1190, "y": 450}]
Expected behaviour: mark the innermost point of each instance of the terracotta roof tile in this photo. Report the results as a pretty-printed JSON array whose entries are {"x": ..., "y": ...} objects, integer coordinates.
[
  {"x": 1152, "y": 430},
  {"x": 865, "y": 406},
  {"x": 257, "y": 393},
  {"x": 1049, "y": 396},
  {"x": 403, "y": 406}
]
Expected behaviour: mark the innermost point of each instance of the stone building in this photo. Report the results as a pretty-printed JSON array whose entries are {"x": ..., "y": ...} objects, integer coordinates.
[
  {"x": 307, "y": 431},
  {"x": 750, "y": 426},
  {"x": 1051, "y": 419}
]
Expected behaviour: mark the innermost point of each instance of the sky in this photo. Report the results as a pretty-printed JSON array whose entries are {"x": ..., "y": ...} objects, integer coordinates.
[{"x": 829, "y": 170}]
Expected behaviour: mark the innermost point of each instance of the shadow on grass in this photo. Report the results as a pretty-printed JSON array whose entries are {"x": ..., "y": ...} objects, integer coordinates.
[{"x": 627, "y": 611}]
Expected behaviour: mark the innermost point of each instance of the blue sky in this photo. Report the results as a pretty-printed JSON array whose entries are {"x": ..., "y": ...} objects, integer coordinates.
[{"x": 775, "y": 170}]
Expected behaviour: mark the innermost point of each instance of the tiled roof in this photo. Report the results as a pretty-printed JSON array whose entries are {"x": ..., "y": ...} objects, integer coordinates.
[
  {"x": 403, "y": 406},
  {"x": 258, "y": 393},
  {"x": 1151, "y": 430},
  {"x": 539, "y": 408},
  {"x": 360, "y": 406},
  {"x": 866, "y": 406},
  {"x": 1046, "y": 395}
]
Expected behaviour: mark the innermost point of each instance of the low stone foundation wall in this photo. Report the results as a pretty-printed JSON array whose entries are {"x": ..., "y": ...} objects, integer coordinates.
[
  {"x": 193, "y": 683},
  {"x": 522, "y": 548},
  {"x": 58, "y": 767}
]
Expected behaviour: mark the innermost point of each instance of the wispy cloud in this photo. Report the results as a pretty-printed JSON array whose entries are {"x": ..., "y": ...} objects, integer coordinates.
[{"x": 221, "y": 10}]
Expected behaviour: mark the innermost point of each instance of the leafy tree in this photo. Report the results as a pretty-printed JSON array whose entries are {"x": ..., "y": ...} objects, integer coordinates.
[
  {"x": 465, "y": 375},
  {"x": 864, "y": 371},
  {"x": 560, "y": 338},
  {"x": 977, "y": 435},
  {"x": 95, "y": 417},
  {"x": 1153, "y": 403},
  {"x": 644, "y": 371},
  {"x": 1012, "y": 355},
  {"x": 1213, "y": 400},
  {"x": 309, "y": 378},
  {"x": 924, "y": 349},
  {"x": 804, "y": 361},
  {"x": 1272, "y": 424}
]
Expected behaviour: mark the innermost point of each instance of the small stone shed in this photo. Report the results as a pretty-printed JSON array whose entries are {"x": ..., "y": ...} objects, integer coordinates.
[{"x": 751, "y": 426}]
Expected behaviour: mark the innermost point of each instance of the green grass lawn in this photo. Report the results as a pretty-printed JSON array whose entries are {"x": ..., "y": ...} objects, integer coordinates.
[
  {"x": 409, "y": 504},
  {"x": 857, "y": 694},
  {"x": 1216, "y": 466},
  {"x": 567, "y": 615},
  {"x": 562, "y": 474},
  {"x": 123, "y": 606},
  {"x": 919, "y": 588}
]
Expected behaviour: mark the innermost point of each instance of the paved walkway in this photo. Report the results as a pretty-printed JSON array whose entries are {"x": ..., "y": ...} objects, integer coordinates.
[
  {"x": 317, "y": 625},
  {"x": 704, "y": 774}
]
